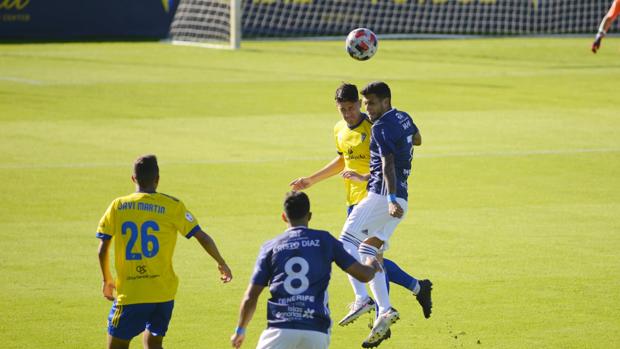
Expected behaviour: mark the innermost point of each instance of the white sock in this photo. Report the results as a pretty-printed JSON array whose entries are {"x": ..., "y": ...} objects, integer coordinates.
[
  {"x": 378, "y": 285},
  {"x": 359, "y": 288},
  {"x": 379, "y": 289}
]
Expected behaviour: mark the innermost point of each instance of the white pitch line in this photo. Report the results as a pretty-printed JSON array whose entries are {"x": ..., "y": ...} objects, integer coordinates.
[
  {"x": 276, "y": 160},
  {"x": 520, "y": 153},
  {"x": 21, "y": 80}
]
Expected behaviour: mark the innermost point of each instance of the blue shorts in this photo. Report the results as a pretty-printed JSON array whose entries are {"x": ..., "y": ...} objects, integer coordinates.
[{"x": 128, "y": 321}]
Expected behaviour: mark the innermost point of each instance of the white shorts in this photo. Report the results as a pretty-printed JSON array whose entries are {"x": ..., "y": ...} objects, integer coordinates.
[
  {"x": 284, "y": 338},
  {"x": 371, "y": 218}
]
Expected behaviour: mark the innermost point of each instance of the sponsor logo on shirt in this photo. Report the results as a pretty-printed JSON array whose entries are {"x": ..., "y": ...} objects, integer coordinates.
[
  {"x": 308, "y": 314},
  {"x": 189, "y": 217}
]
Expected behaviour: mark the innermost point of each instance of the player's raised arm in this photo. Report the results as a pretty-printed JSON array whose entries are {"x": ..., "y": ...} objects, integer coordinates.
[
  {"x": 104, "y": 263},
  {"x": 246, "y": 312},
  {"x": 333, "y": 168},
  {"x": 364, "y": 272},
  {"x": 209, "y": 245},
  {"x": 389, "y": 175}
]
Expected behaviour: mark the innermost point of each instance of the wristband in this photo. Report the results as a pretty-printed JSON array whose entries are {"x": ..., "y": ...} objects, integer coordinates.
[
  {"x": 239, "y": 331},
  {"x": 391, "y": 198}
]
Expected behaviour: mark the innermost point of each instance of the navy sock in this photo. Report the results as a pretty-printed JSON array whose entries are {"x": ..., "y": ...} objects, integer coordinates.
[{"x": 398, "y": 276}]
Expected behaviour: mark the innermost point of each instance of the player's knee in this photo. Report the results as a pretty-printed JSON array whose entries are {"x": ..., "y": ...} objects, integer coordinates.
[
  {"x": 117, "y": 343},
  {"x": 152, "y": 342},
  {"x": 367, "y": 252},
  {"x": 348, "y": 243},
  {"x": 374, "y": 241},
  {"x": 380, "y": 258},
  {"x": 153, "y": 345}
]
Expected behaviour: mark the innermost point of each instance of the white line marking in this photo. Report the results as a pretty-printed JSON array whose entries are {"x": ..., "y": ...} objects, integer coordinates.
[
  {"x": 21, "y": 80},
  {"x": 510, "y": 153},
  {"x": 275, "y": 160}
]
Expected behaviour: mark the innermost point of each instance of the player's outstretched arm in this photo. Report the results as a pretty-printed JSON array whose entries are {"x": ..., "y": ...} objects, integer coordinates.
[
  {"x": 364, "y": 272},
  {"x": 246, "y": 311},
  {"x": 333, "y": 168},
  {"x": 352, "y": 175},
  {"x": 209, "y": 245},
  {"x": 104, "y": 263}
]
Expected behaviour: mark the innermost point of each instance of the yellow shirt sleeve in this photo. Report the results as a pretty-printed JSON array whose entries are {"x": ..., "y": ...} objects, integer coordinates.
[
  {"x": 106, "y": 228},
  {"x": 336, "y": 133},
  {"x": 185, "y": 222}
]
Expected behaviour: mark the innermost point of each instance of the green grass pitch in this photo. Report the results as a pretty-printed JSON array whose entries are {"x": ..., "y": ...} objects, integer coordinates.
[{"x": 515, "y": 205}]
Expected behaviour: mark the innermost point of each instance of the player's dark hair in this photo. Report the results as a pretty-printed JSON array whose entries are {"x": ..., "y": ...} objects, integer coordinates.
[
  {"x": 146, "y": 170},
  {"x": 347, "y": 93},
  {"x": 377, "y": 88},
  {"x": 296, "y": 205}
]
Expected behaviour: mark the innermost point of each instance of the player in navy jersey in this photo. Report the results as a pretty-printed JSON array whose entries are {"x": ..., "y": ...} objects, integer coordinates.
[
  {"x": 352, "y": 138},
  {"x": 374, "y": 219},
  {"x": 296, "y": 266}
]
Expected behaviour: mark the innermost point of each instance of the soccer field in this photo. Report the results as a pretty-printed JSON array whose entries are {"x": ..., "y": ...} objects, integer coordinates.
[{"x": 515, "y": 196}]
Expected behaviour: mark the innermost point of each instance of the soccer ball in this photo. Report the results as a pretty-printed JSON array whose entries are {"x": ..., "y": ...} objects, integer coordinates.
[{"x": 361, "y": 44}]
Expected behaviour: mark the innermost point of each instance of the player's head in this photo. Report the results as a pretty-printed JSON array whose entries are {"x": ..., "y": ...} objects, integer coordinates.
[
  {"x": 348, "y": 103},
  {"x": 146, "y": 172},
  {"x": 296, "y": 208},
  {"x": 377, "y": 99}
]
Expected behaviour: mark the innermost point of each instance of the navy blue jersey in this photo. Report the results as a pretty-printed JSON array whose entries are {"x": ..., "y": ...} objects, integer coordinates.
[
  {"x": 297, "y": 267},
  {"x": 392, "y": 134}
]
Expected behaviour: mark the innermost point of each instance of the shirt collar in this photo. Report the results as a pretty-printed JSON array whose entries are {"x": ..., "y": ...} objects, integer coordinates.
[
  {"x": 297, "y": 227},
  {"x": 363, "y": 117},
  {"x": 387, "y": 112}
]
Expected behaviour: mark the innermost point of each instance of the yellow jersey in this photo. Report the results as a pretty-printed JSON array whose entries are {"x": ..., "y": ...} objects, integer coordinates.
[
  {"x": 353, "y": 143},
  {"x": 144, "y": 228}
]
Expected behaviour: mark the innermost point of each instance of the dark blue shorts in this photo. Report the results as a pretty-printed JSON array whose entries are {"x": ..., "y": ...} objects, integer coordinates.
[{"x": 128, "y": 321}]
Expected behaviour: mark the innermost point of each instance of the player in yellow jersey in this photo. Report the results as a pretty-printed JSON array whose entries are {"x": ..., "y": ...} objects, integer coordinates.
[
  {"x": 352, "y": 136},
  {"x": 143, "y": 227}
]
